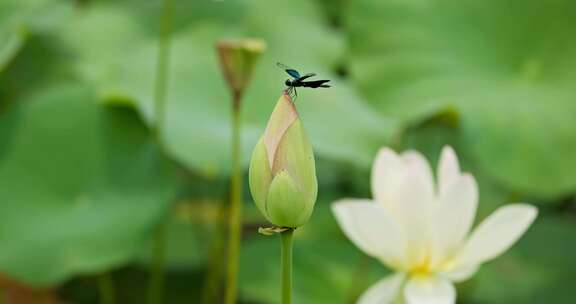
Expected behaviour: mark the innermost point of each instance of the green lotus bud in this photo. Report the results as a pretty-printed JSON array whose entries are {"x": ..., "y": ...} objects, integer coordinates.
[
  {"x": 282, "y": 170},
  {"x": 238, "y": 59}
]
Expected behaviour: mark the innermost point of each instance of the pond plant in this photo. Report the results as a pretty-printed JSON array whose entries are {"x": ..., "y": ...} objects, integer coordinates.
[{"x": 283, "y": 180}]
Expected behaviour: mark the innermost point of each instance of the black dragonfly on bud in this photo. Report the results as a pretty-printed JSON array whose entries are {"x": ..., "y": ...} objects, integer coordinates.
[{"x": 298, "y": 81}]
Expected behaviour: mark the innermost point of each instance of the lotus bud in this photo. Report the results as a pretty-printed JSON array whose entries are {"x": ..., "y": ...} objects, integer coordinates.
[
  {"x": 238, "y": 59},
  {"x": 282, "y": 170}
]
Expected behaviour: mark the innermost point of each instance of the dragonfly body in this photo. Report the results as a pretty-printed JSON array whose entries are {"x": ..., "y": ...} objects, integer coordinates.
[{"x": 299, "y": 81}]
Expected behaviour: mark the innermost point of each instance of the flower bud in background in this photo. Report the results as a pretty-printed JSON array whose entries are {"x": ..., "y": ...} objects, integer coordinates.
[
  {"x": 282, "y": 170},
  {"x": 238, "y": 59}
]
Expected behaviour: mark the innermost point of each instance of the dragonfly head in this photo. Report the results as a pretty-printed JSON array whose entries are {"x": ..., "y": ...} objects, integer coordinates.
[{"x": 288, "y": 82}]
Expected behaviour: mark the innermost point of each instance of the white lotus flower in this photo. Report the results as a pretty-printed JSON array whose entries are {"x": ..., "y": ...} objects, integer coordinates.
[{"x": 422, "y": 230}]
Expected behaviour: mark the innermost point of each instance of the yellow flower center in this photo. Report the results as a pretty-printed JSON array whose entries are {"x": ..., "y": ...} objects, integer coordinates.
[{"x": 422, "y": 269}]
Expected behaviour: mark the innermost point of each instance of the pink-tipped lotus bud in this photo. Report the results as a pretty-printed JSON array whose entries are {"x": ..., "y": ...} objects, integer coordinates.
[{"x": 282, "y": 170}]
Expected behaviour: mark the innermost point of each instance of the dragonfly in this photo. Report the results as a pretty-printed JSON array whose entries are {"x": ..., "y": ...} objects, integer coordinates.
[{"x": 298, "y": 81}]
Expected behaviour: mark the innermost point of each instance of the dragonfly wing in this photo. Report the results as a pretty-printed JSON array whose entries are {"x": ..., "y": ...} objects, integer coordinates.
[
  {"x": 292, "y": 72},
  {"x": 282, "y": 66},
  {"x": 307, "y": 76}
]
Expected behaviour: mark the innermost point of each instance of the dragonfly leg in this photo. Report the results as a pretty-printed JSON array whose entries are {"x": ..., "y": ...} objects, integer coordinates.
[{"x": 291, "y": 91}]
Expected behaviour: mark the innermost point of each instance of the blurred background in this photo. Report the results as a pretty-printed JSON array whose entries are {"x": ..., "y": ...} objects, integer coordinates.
[{"x": 86, "y": 183}]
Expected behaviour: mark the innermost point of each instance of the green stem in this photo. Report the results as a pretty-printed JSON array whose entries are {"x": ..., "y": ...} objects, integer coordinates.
[
  {"x": 287, "y": 266},
  {"x": 235, "y": 211},
  {"x": 156, "y": 280},
  {"x": 162, "y": 64},
  {"x": 106, "y": 287},
  {"x": 217, "y": 254}
]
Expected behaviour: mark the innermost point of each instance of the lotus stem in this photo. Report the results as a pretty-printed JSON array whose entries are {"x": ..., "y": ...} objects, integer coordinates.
[
  {"x": 162, "y": 64},
  {"x": 156, "y": 281},
  {"x": 106, "y": 288},
  {"x": 286, "y": 265},
  {"x": 235, "y": 211}
]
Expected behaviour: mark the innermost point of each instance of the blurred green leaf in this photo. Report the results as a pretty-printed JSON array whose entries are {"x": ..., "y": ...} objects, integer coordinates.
[
  {"x": 197, "y": 126},
  {"x": 506, "y": 66},
  {"x": 11, "y": 40},
  {"x": 29, "y": 55},
  {"x": 190, "y": 230},
  {"x": 81, "y": 186},
  {"x": 37, "y": 16}
]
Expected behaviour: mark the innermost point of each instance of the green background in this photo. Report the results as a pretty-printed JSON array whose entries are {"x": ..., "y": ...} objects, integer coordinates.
[{"x": 84, "y": 184}]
